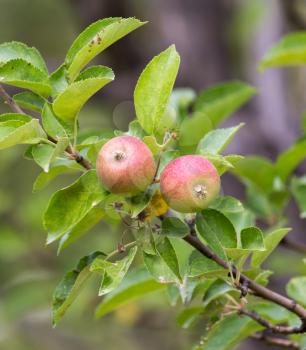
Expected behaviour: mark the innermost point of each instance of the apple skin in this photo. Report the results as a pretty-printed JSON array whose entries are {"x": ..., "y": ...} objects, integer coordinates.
[
  {"x": 189, "y": 183},
  {"x": 125, "y": 165}
]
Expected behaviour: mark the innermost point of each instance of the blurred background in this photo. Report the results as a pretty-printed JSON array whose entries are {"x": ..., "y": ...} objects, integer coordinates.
[{"x": 218, "y": 40}]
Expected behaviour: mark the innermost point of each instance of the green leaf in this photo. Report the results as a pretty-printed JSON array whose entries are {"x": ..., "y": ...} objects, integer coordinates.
[
  {"x": 19, "y": 129},
  {"x": 43, "y": 179},
  {"x": 221, "y": 100},
  {"x": 24, "y": 75},
  {"x": 216, "y": 141},
  {"x": 228, "y": 332},
  {"x": 169, "y": 122},
  {"x": 168, "y": 254},
  {"x": 58, "y": 80},
  {"x": 89, "y": 221},
  {"x": 112, "y": 273},
  {"x": 296, "y": 289},
  {"x": 95, "y": 39},
  {"x": 216, "y": 230},
  {"x": 223, "y": 163},
  {"x": 270, "y": 311},
  {"x": 174, "y": 227},
  {"x": 68, "y": 206},
  {"x": 263, "y": 277},
  {"x": 159, "y": 269},
  {"x": 298, "y": 189},
  {"x": 252, "y": 239},
  {"x": 192, "y": 130},
  {"x": 154, "y": 87},
  {"x": 271, "y": 242},
  {"x": 70, "y": 286},
  {"x": 233, "y": 209},
  {"x": 136, "y": 130},
  {"x": 289, "y": 51},
  {"x": 216, "y": 290},
  {"x": 139, "y": 202},
  {"x": 200, "y": 265},
  {"x": 188, "y": 290},
  {"x": 136, "y": 284},
  {"x": 182, "y": 98},
  {"x": 257, "y": 170},
  {"x": 219, "y": 162},
  {"x": 245, "y": 219},
  {"x": 69, "y": 102},
  {"x": 45, "y": 154},
  {"x": 152, "y": 143},
  {"x": 15, "y": 50},
  {"x": 259, "y": 202},
  {"x": 42, "y": 154},
  {"x": 52, "y": 125},
  {"x": 227, "y": 204},
  {"x": 187, "y": 318},
  {"x": 290, "y": 159},
  {"x": 30, "y": 101},
  {"x": 15, "y": 117}
]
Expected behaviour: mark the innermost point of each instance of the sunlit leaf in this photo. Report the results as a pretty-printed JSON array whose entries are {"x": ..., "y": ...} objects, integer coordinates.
[
  {"x": 24, "y": 75},
  {"x": 53, "y": 126},
  {"x": 217, "y": 140},
  {"x": 30, "y": 101},
  {"x": 58, "y": 80},
  {"x": 154, "y": 87},
  {"x": 17, "y": 50},
  {"x": 70, "y": 101},
  {"x": 96, "y": 38},
  {"x": 45, "y": 154},
  {"x": 19, "y": 129},
  {"x": 289, "y": 51}
]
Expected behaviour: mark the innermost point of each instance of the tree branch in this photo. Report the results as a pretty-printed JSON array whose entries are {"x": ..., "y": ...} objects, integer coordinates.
[
  {"x": 285, "y": 343},
  {"x": 73, "y": 154},
  {"x": 257, "y": 289},
  {"x": 274, "y": 328},
  {"x": 79, "y": 158},
  {"x": 9, "y": 101},
  {"x": 296, "y": 246}
]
